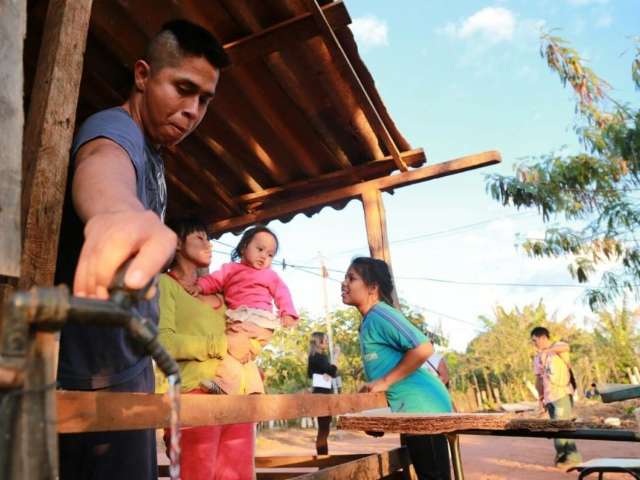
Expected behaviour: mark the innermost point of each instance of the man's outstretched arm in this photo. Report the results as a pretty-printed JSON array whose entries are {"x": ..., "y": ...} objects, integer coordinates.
[{"x": 117, "y": 227}]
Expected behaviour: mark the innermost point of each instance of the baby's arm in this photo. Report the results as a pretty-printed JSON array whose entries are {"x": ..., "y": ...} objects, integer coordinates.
[
  {"x": 212, "y": 283},
  {"x": 284, "y": 303}
]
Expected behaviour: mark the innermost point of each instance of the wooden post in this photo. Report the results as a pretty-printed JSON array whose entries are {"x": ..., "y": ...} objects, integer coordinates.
[
  {"x": 13, "y": 26},
  {"x": 47, "y": 140},
  {"x": 376, "y": 224}
]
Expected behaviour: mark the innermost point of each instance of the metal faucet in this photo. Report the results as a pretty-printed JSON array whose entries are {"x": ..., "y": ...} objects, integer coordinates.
[{"x": 48, "y": 309}]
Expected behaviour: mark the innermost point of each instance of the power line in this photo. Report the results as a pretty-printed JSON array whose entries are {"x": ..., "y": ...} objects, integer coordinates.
[
  {"x": 441, "y": 233},
  {"x": 451, "y": 317},
  {"x": 309, "y": 269},
  {"x": 494, "y": 284}
]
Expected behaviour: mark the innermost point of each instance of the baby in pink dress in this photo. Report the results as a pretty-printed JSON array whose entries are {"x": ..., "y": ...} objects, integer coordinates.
[{"x": 250, "y": 289}]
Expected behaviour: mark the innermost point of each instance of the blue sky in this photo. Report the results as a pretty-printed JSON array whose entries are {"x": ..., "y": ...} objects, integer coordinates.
[{"x": 461, "y": 78}]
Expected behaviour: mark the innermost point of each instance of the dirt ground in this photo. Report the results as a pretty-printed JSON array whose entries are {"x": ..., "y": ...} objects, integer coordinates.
[{"x": 484, "y": 458}]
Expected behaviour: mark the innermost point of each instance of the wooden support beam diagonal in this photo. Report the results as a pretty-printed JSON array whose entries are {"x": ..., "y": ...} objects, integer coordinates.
[
  {"x": 109, "y": 411},
  {"x": 284, "y": 34},
  {"x": 345, "y": 193},
  {"x": 367, "y": 105}
]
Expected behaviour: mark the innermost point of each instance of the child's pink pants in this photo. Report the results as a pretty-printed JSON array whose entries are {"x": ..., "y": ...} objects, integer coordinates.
[{"x": 220, "y": 452}]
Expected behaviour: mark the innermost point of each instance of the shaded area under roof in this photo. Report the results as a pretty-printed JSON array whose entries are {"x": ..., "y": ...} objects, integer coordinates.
[{"x": 287, "y": 121}]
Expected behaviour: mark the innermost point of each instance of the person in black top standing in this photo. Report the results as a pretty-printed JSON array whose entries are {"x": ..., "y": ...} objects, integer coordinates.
[{"x": 320, "y": 370}]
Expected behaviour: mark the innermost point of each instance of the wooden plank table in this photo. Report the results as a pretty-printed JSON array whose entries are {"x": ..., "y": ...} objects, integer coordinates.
[{"x": 454, "y": 424}]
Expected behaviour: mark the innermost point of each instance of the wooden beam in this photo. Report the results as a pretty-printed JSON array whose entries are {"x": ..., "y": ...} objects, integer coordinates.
[
  {"x": 284, "y": 34},
  {"x": 375, "y": 169},
  {"x": 48, "y": 135},
  {"x": 306, "y": 460},
  {"x": 107, "y": 411},
  {"x": 312, "y": 63},
  {"x": 367, "y": 105},
  {"x": 47, "y": 140},
  {"x": 13, "y": 27},
  {"x": 376, "y": 225},
  {"x": 345, "y": 193},
  {"x": 431, "y": 424},
  {"x": 371, "y": 467}
]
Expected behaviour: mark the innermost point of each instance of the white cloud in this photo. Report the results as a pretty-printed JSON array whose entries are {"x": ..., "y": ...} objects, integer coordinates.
[
  {"x": 494, "y": 24},
  {"x": 370, "y": 31}
]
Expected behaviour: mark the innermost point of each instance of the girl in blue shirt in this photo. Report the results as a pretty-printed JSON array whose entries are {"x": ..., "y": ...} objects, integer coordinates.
[{"x": 393, "y": 352}]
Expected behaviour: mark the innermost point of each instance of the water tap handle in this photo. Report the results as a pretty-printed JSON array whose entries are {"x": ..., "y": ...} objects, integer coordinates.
[
  {"x": 123, "y": 296},
  {"x": 141, "y": 329}
]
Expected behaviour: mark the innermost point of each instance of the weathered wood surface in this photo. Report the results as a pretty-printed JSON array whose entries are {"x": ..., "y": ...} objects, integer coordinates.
[
  {"x": 281, "y": 36},
  {"x": 47, "y": 140},
  {"x": 615, "y": 392},
  {"x": 312, "y": 126},
  {"x": 48, "y": 136},
  {"x": 384, "y": 184},
  {"x": 422, "y": 423},
  {"x": 376, "y": 225},
  {"x": 341, "y": 58},
  {"x": 13, "y": 26},
  {"x": 371, "y": 467},
  {"x": 322, "y": 461},
  {"x": 107, "y": 411},
  {"x": 341, "y": 178}
]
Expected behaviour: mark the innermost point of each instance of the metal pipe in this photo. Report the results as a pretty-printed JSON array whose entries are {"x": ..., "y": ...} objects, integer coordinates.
[
  {"x": 51, "y": 308},
  {"x": 456, "y": 456}
]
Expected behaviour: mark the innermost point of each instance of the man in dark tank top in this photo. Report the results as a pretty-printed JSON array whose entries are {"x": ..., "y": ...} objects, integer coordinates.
[{"x": 114, "y": 210}]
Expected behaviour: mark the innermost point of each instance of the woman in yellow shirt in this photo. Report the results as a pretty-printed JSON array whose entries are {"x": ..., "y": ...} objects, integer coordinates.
[{"x": 192, "y": 329}]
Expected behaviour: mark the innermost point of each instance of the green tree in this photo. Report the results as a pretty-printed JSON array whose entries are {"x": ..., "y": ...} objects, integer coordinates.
[
  {"x": 284, "y": 360},
  {"x": 502, "y": 356},
  {"x": 595, "y": 190},
  {"x": 617, "y": 341}
]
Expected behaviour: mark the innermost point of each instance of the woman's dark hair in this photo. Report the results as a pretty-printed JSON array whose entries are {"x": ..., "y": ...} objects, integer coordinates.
[
  {"x": 247, "y": 236},
  {"x": 375, "y": 272},
  {"x": 540, "y": 332},
  {"x": 183, "y": 227}
]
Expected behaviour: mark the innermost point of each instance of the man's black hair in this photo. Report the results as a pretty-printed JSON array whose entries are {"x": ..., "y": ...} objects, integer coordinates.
[
  {"x": 193, "y": 40},
  {"x": 540, "y": 332}
]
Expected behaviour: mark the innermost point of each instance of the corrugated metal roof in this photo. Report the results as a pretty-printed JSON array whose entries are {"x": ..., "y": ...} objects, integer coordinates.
[{"x": 286, "y": 122}]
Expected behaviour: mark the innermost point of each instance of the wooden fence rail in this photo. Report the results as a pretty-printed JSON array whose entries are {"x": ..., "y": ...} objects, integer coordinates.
[{"x": 108, "y": 411}]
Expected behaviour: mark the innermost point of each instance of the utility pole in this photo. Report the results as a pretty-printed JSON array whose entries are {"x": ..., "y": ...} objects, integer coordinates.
[{"x": 325, "y": 275}]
